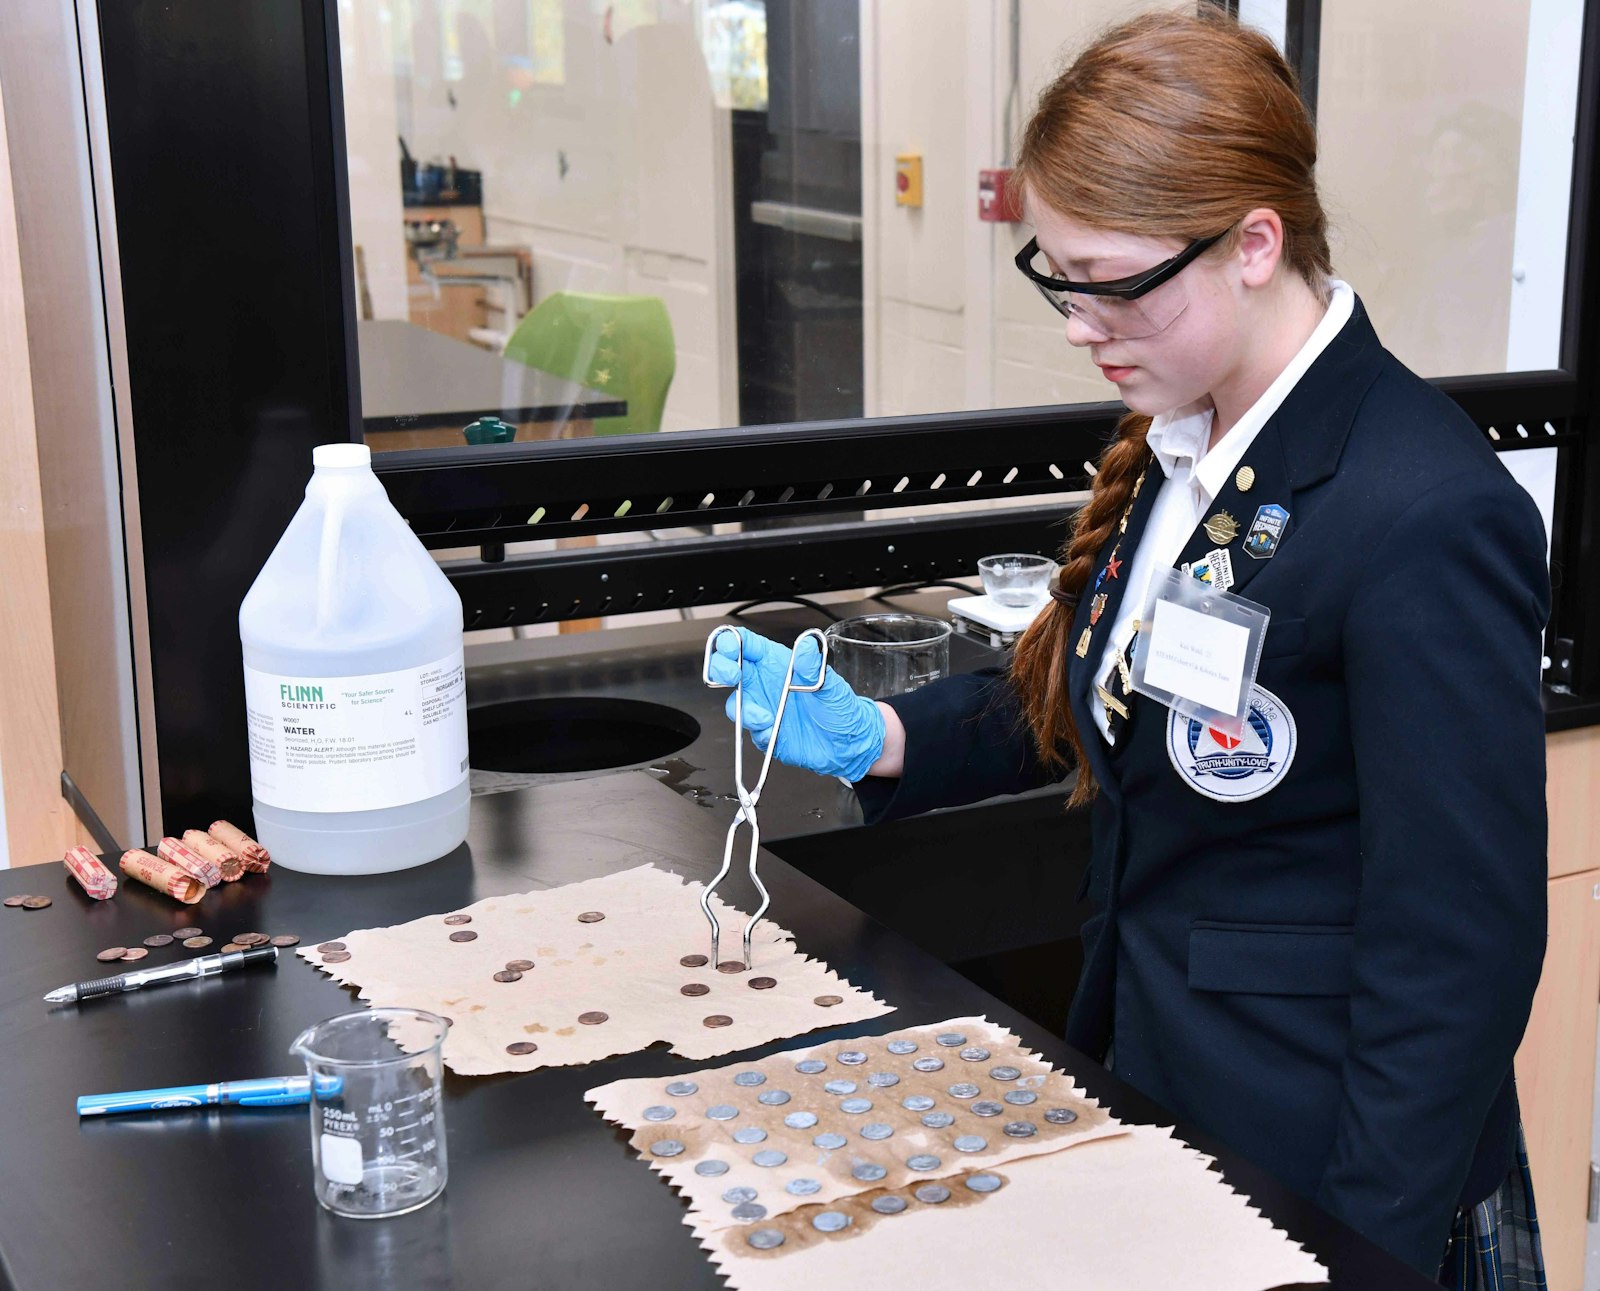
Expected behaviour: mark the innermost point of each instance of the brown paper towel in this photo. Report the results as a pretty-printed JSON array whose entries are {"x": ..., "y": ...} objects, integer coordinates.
[{"x": 625, "y": 966}]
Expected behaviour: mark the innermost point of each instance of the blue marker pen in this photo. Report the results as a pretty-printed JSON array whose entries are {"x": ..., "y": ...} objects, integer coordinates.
[{"x": 270, "y": 1091}]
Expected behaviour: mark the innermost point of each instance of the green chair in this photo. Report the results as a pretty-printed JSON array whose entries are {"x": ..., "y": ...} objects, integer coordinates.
[{"x": 622, "y": 345}]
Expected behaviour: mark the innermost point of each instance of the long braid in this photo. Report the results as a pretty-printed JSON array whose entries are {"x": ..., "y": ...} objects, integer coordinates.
[{"x": 1041, "y": 658}]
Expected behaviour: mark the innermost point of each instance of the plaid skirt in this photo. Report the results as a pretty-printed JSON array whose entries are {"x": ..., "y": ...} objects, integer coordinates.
[{"x": 1494, "y": 1246}]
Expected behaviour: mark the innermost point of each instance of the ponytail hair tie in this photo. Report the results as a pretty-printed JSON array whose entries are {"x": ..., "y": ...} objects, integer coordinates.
[{"x": 1068, "y": 599}]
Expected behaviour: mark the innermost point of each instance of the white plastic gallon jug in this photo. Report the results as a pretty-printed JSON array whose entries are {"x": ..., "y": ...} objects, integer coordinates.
[{"x": 354, "y": 684}]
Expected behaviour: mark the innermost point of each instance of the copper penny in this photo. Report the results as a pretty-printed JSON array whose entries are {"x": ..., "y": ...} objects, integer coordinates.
[
  {"x": 590, "y": 916},
  {"x": 158, "y": 940},
  {"x": 251, "y": 938},
  {"x": 231, "y": 947},
  {"x": 133, "y": 953},
  {"x": 694, "y": 961},
  {"x": 36, "y": 903},
  {"x": 110, "y": 953},
  {"x": 732, "y": 966},
  {"x": 336, "y": 957},
  {"x": 521, "y": 1047},
  {"x": 594, "y": 1018},
  {"x": 828, "y": 1001},
  {"x": 286, "y": 939},
  {"x": 762, "y": 983},
  {"x": 196, "y": 943},
  {"x": 454, "y": 919},
  {"x": 180, "y": 933},
  {"x": 14, "y": 902},
  {"x": 519, "y": 965},
  {"x": 508, "y": 976},
  {"x": 466, "y": 934},
  {"x": 718, "y": 1020},
  {"x": 331, "y": 945},
  {"x": 694, "y": 988}
]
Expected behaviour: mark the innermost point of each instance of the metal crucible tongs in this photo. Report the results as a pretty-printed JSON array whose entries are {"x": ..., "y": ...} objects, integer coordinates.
[{"x": 748, "y": 798}]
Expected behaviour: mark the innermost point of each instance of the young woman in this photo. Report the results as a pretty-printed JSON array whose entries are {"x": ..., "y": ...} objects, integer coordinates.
[{"x": 1317, "y": 934}]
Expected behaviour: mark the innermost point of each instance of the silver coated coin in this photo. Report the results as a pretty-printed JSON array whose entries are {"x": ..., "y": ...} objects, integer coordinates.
[
  {"x": 930, "y": 1063},
  {"x": 831, "y": 1221},
  {"x": 839, "y": 1087},
  {"x": 764, "y": 1239},
  {"x": 738, "y": 1196},
  {"x": 970, "y": 1143},
  {"x": 683, "y": 1088},
  {"x": 770, "y": 1157},
  {"x": 1004, "y": 1073},
  {"x": 951, "y": 1039},
  {"x": 923, "y": 1161},
  {"x": 852, "y": 1057},
  {"x": 810, "y": 1066},
  {"x": 902, "y": 1047},
  {"x": 855, "y": 1106},
  {"x": 888, "y": 1204},
  {"x": 772, "y": 1097},
  {"x": 984, "y": 1182},
  {"x": 938, "y": 1120},
  {"x": 917, "y": 1103},
  {"x": 964, "y": 1089},
  {"x": 659, "y": 1113},
  {"x": 1060, "y": 1115},
  {"x": 869, "y": 1172},
  {"x": 802, "y": 1187},
  {"x": 877, "y": 1131},
  {"x": 1020, "y": 1097},
  {"x": 749, "y": 1079},
  {"x": 987, "y": 1107},
  {"x": 829, "y": 1141},
  {"x": 749, "y": 1211},
  {"x": 932, "y": 1194},
  {"x": 883, "y": 1079},
  {"x": 800, "y": 1120},
  {"x": 666, "y": 1148},
  {"x": 722, "y": 1111},
  {"x": 1021, "y": 1129},
  {"x": 974, "y": 1053},
  {"x": 748, "y": 1134},
  {"x": 710, "y": 1168}
]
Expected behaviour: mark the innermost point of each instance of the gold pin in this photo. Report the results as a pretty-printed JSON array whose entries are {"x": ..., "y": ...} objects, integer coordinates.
[
  {"x": 1122, "y": 524},
  {"x": 1122, "y": 670},
  {"x": 1221, "y": 528},
  {"x": 1112, "y": 703},
  {"x": 1245, "y": 479},
  {"x": 1083, "y": 644}
]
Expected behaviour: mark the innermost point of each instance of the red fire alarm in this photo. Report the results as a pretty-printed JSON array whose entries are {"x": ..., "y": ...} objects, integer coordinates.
[{"x": 997, "y": 198}]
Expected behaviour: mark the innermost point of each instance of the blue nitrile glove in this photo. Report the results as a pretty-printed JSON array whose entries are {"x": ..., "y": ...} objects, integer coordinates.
[{"x": 833, "y": 731}]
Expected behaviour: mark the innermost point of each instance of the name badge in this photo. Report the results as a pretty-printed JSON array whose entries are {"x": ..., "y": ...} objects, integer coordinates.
[{"x": 1199, "y": 649}]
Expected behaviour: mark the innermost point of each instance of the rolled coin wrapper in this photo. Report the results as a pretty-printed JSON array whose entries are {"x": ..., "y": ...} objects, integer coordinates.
[
  {"x": 163, "y": 876},
  {"x": 190, "y": 861},
  {"x": 95, "y": 879},
  {"x": 224, "y": 857},
  {"x": 255, "y": 857}
]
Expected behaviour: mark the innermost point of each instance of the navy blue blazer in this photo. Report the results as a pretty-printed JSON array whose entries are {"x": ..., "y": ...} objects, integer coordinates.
[{"x": 1333, "y": 976}]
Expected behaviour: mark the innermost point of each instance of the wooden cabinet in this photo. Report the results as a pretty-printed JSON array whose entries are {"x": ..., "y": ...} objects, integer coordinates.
[
  {"x": 1556, "y": 1063},
  {"x": 450, "y": 311}
]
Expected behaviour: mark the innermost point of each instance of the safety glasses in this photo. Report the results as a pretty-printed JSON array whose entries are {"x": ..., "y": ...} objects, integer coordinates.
[{"x": 1122, "y": 308}]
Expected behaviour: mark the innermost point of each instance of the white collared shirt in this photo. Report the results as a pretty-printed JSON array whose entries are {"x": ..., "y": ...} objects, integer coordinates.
[{"x": 1194, "y": 478}]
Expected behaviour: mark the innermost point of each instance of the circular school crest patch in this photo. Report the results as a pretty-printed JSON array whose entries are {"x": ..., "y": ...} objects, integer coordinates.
[{"x": 1229, "y": 768}]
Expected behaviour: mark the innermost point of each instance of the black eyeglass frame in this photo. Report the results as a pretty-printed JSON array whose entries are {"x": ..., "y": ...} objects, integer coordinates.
[{"x": 1129, "y": 288}]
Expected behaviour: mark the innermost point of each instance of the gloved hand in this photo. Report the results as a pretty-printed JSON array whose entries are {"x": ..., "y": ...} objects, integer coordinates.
[{"x": 833, "y": 731}]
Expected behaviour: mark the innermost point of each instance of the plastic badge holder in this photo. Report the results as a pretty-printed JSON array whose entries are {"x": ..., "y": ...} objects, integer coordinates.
[{"x": 1198, "y": 650}]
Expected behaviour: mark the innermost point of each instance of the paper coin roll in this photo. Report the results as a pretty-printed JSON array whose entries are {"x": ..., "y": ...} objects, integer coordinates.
[
  {"x": 190, "y": 861},
  {"x": 255, "y": 857},
  {"x": 92, "y": 876},
  {"x": 163, "y": 876},
  {"x": 227, "y": 860}
]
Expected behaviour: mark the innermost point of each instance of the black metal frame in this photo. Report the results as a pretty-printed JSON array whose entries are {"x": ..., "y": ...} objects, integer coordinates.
[{"x": 242, "y": 352}]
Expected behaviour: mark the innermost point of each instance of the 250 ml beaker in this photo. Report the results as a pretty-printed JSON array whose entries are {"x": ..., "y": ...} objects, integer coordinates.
[
  {"x": 882, "y": 655},
  {"x": 377, "y": 1135}
]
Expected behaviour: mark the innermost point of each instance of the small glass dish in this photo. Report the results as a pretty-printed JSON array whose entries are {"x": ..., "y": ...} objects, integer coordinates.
[{"x": 1016, "y": 579}]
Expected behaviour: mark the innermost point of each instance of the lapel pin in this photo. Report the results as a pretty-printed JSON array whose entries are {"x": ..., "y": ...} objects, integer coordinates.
[
  {"x": 1245, "y": 480},
  {"x": 1266, "y": 531},
  {"x": 1083, "y": 644},
  {"x": 1221, "y": 528},
  {"x": 1097, "y": 607}
]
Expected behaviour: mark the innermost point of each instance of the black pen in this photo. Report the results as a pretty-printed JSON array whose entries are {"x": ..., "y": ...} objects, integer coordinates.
[{"x": 201, "y": 966}]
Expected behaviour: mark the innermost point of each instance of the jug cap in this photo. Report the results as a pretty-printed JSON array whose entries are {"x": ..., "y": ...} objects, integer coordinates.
[{"x": 337, "y": 455}]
